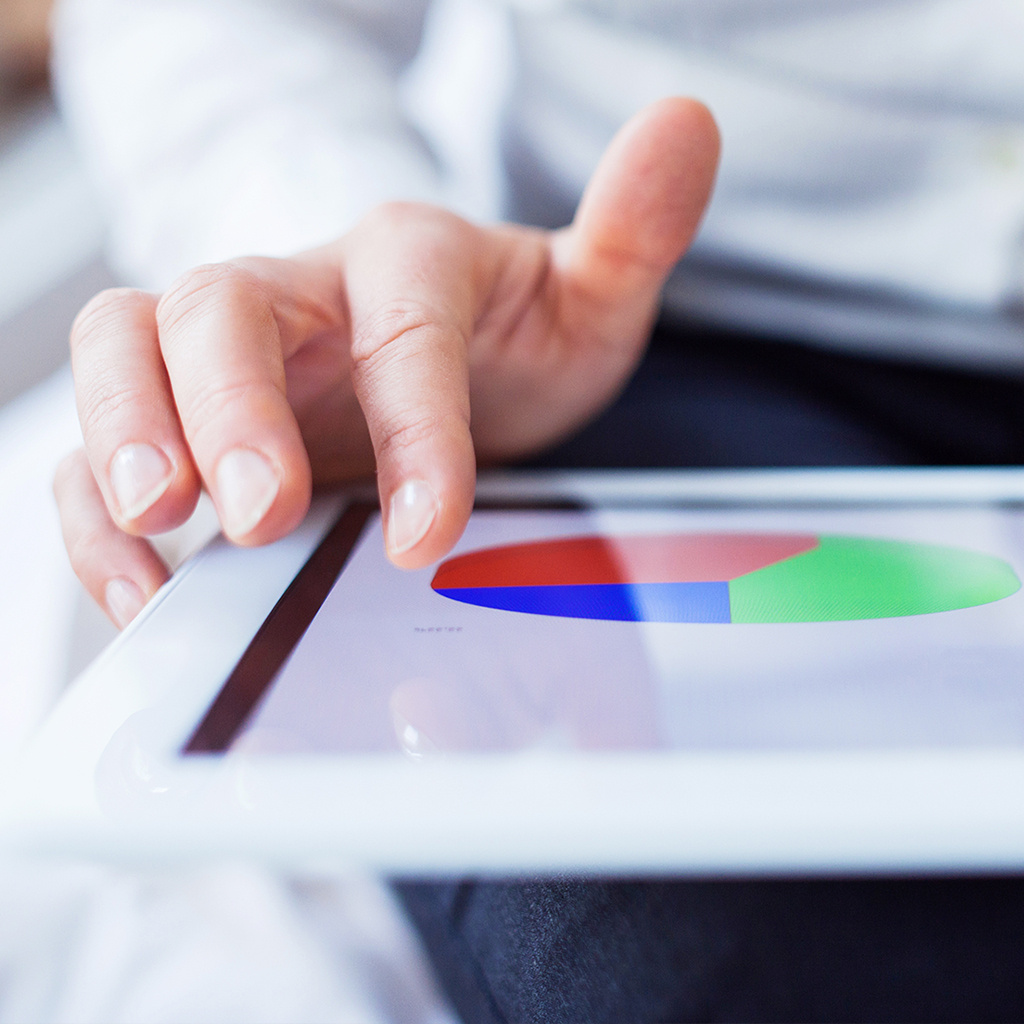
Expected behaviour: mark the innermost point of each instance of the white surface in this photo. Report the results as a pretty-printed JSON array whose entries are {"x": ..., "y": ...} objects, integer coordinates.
[
  {"x": 103, "y": 775},
  {"x": 217, "y": 941},
  {"x": 227, "y": 941}
]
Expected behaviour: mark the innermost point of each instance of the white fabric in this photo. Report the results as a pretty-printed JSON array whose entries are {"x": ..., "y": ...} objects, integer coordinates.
[
  {"x": 875, "y": 143},
  {"x": 875, "y": 146},
  {"x": 246, "y": 126},
  {"x": 231, "y": 942},
  {"x": 217, "y": 942},
  {"x": 39, "y": 593}
]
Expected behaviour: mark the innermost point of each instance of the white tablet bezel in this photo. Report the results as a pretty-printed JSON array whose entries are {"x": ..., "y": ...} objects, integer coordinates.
[{"x": 104, "y": 776}]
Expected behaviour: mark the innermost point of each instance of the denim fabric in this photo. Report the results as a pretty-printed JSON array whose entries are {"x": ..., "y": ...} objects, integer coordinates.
[
  {"x": 937, "y": 949},
  {"x": 778, "y": 950},
  {"x": 711, "y": 399}
]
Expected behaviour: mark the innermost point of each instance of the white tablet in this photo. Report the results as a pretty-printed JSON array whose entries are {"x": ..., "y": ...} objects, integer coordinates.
[{"x": 687, "y": 673}]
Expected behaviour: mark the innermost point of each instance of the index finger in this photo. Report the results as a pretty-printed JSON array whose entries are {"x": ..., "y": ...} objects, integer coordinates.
[{"x": 414, "y": 280}]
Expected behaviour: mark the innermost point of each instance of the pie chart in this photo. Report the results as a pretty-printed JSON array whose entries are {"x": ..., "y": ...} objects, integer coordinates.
[{"x": 725, "y": 577}]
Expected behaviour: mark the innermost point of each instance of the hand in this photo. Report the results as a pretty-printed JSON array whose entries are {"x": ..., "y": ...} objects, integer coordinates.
[{"x": 416, "y": 344}]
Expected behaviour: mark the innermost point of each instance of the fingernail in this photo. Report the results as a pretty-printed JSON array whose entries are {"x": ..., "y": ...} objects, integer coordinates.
[
  {"x": 413, "y": 508},
  {"x": 139, "y": 474},
  {"x": 246, "y": 488},
  {"x": 124, "y": 600}
]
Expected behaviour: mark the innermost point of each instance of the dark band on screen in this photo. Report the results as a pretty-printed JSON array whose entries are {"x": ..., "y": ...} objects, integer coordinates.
[{"x": 280, "y": 633}]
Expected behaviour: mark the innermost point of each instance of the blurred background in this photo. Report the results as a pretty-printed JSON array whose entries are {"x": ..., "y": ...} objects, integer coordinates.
[{"x": 51, "y": 229}]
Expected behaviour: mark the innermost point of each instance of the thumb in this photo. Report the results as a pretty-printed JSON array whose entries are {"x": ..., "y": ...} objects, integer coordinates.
[{"x": 641, "y": 208}]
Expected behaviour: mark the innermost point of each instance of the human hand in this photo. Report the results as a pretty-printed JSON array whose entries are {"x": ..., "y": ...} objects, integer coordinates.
[{"x": 416, "y": 344}]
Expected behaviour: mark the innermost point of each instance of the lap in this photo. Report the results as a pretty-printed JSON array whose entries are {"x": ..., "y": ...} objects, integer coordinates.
[{"x": 747, "y": 950}]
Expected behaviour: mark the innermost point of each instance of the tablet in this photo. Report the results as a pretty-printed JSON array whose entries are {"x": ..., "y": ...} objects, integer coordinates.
[{"x": 685, "y": 673}]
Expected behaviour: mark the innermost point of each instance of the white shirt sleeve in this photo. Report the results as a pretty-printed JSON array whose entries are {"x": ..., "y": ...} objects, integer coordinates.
[{"x": 216, "y": 128}]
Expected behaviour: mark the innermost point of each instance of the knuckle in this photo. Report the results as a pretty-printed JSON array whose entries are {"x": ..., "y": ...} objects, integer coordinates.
[
  {"x": 393, "y": 348},
  {"x": 106, "y": 312},
  {"x": 403, "y": 435},
  {"x": 104, "y": 403},
  {"x": 213, "y": 398},
  {"x": 399, "y": 322},
  {"x": 412, "y": 227},
  {"x": 207, "y": 290},
  {"x": 393, "y": 215},
  {"x": 213, "y": 401},
  {"x": 64, "y": 474},
  {"x": 84, "y": 546}
]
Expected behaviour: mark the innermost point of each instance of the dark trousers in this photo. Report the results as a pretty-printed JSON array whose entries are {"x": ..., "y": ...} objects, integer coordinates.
[{"x": 851, "y": 949}]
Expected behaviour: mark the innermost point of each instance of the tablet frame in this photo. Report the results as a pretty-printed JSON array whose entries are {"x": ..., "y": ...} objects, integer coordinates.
[{"x": 104, "y": 777}]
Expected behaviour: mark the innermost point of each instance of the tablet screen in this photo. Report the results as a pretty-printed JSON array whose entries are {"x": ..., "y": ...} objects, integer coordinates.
[{"x": 644, "y": 629}]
